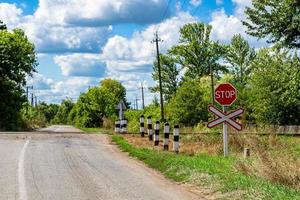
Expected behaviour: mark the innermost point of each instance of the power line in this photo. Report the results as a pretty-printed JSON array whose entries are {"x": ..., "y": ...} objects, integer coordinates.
[{"x": 166, "y": 11}]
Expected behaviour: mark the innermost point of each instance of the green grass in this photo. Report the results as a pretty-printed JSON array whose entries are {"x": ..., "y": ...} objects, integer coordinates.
[
  {"x": 96, "y": 130},
  {"x": 206, "y": 170}
]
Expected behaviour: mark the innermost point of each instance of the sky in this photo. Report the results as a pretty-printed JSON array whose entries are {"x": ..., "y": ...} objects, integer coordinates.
[{"x": 79, "y": 42}]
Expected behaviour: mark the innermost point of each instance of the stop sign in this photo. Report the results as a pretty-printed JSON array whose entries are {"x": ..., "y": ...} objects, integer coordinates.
[{"x": 225, "y": 94}]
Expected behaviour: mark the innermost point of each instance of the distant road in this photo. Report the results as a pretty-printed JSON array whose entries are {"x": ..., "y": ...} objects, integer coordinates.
[{"x": 68, "y": 165}]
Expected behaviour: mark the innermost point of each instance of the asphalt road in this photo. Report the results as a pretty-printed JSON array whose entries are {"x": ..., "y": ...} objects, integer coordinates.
[{"x": 68, "y": 165}]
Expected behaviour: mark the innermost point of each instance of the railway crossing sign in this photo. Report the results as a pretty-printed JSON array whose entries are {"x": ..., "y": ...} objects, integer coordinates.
[
  {"x": 225, "y": 117},
  {"x": 225, "y": 94}
]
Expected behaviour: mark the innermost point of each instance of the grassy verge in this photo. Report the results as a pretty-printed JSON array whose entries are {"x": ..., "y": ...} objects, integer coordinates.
[{"x": 210, "y": 171}]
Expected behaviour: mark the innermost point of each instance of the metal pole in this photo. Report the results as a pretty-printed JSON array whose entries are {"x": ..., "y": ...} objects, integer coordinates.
[
  {"x": 32, "y": 103},
  {"x": 159, "y": 75},
  {"x": 143, "y": 99},
  {"x": 225, "y": 136},
  {"x": 120, "y": 111},
  {"x": 212, "y": 85},
  {"x": 136, "y": 103}
]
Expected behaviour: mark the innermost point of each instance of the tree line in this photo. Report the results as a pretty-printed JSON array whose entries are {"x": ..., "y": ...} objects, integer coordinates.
[{"x": 267, "y": 79}]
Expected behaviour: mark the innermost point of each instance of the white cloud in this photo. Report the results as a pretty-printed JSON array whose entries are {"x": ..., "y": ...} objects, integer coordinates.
[
  {"x": 219, "y": 2},
  {"x": 195, "y": 2},
  {"x": 58, "y": 39},
  {"x": 90, "y": 65},
  {"x": 226, "y": 26},
  {"x": 100, "y": 12},
  {"x": 10, "y": 14},
  {"x": 51, "y": 91},
  {"x": 59, "y": 26},
  {"x": 39, "y": 82},
  {"x": 137, "y": 53}
]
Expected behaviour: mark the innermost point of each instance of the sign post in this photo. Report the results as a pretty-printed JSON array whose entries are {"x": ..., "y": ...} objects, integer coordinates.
[
  {"x": 225, "y": 94},
  {"x": 225, "y": 136}
]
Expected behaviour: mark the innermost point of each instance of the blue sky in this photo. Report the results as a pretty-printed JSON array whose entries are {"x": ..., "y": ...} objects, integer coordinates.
[{"x": 80, "y": 42}]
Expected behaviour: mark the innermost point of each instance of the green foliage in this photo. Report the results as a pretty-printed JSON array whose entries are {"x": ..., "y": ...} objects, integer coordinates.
[
  {"x": 38, "y": 116},
  {"x": 169, "y": 76},
  {"x": 275, "y": 96},
  {"x": 277, "y": 19},
  {"x": 62, "y": 114},
  {"x": 17, "y": 60},
  {"x": 196, "y": 52},
  {"x": 240, "y": 55},
  {"x": 133, "y": 116},
  {"x": 98, "y": 103},
  {"x": 189, "y": 105},
  {"x": 114, "y": 87},
  {"x": 2, "y": 26}
]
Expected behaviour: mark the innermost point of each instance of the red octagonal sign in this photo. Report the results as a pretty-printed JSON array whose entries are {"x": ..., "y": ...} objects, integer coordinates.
[{"x": 225, "y": 94}]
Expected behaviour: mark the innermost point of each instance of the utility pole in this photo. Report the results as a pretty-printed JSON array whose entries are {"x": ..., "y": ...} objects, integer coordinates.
[
  {"x": 212, "y": 85},
  {"x": 27, "y": 90},
  {"x": 35, "y": 97},
  {"x": 143, "y": 99},
  {"x": 32, "y": 103},
  {"x": 136, "y": 103},
  {"x": 156, "y": 40}
]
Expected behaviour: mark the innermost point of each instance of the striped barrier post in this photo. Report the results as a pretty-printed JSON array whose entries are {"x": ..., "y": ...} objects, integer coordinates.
[
  {"x": 142, "y": 126},
  {"x": 150, "y": 133},
  {"x": 166, "y": 136},
  {"x": 156, "y": 133},
  {"x": 124, "y": 126},
  {"x": 117, "y": 126},
  {"x": 176, "y": 139}
]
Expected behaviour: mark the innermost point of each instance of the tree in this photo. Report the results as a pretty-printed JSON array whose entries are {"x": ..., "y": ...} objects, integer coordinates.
[
  {"x": 97, "y": 103},
  {"x": 2, "y": 26},
  {"x": 197, "y": 53},
  {"x": 189, "y": 105},
  {"x": 62, "y": 114},
  {"x": 274, "y": 93},
  {"x": 277, "y": 19},
  {"x": 240, "y": 55},
  {"x": 114, "y": 87},
  {"x": 17, "y": 60},
  {"x": 169, "y": 75}
]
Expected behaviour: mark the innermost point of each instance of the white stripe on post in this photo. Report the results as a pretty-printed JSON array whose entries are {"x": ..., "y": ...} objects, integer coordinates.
[
  {"x": 150, "y": 133},
  {"x": 118, "y": 126},
  {"x": 176, "y": 139},
  {"x": 124, "y": 126},
  {"x": 156, "y": 133},
  {"x": 166, "y": 136},
  {"x": 142, "y": 126}
]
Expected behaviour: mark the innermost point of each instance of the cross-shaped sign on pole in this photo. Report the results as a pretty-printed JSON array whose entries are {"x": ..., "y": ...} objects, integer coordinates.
[
  {"x": 225, "y": 94},
  {"x": 225, "y": 117}
]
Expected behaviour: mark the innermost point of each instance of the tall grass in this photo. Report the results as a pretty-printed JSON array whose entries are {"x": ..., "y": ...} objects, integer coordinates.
[
  {"x": 275, "y": 158},
  {"x": 212, "y": 172}
]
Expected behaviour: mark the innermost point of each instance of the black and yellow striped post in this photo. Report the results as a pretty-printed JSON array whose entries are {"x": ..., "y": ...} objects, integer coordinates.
[
  {"x": 156, "y": 133},
  {"x": 150, "y": 131},
  {"x": 166, "y": 136},
  {"x": 142, "y": 126}
]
